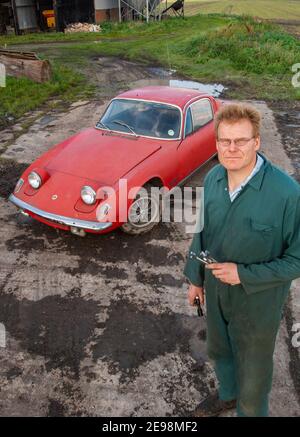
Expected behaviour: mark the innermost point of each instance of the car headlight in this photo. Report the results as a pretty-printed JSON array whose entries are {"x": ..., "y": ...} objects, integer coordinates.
[
  {"x": 88, "y": 195},
  {"x": 102, "y": 211},
  {"x": 35, "y": 180}
]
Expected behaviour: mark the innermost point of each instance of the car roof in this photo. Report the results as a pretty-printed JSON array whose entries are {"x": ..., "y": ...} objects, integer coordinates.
[{"x": 164, "y": 94}]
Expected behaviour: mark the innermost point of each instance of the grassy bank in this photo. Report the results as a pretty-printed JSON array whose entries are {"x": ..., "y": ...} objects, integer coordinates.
[
  {"x": 268, "y": 9},
  {"x": 112, "y": 31},
  {"x": 252, "y": 58}
]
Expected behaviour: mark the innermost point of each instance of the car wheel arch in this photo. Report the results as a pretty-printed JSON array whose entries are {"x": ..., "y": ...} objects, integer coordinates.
[{"x": 127, "y": 227}]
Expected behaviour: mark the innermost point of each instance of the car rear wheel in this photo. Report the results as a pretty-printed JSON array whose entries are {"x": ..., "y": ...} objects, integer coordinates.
[{"x": 144, "y": 212}]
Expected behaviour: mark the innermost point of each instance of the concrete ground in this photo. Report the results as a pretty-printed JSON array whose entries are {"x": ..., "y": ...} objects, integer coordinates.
[{"x": 101, "y": 325}]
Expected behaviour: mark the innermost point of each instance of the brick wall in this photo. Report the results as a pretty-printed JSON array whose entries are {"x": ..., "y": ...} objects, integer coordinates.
[{"x": 107, "y": 15}]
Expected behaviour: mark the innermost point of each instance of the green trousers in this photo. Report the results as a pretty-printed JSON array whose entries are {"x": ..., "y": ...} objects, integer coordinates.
[{"x": 241, "y": 334}]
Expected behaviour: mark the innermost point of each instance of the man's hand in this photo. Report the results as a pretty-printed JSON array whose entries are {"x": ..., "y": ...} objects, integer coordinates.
[
  {"x": 226, "y": 272},
  {"x": 195, "y": 291}
]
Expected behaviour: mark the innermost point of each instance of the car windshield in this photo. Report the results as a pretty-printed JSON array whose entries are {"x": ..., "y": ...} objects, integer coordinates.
[{"x": 142, "y": 118}]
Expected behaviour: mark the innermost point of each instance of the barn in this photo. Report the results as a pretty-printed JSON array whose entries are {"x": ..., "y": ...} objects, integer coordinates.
[{"x": 21, "y": 16}]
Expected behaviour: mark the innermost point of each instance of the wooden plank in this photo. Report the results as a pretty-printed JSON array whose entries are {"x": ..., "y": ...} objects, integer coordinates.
[{"x": 17, "y": 54}]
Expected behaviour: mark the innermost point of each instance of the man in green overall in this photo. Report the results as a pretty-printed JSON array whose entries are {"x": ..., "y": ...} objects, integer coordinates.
[{"x": 252, "y": 229}]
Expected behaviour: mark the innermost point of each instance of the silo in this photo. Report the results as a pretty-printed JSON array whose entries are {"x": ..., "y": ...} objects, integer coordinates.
[
  {"x": 141, "y": 8},
  {"x": 124, "y": 9}
]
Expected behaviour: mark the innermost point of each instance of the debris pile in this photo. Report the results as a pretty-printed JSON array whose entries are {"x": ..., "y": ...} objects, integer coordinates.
[{"x": 82, "y": 27}]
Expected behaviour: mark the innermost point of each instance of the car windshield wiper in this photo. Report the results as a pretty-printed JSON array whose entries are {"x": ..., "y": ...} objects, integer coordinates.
[
  {"x": 124, "y": 124},
  {"x": 100, "y": 123}
]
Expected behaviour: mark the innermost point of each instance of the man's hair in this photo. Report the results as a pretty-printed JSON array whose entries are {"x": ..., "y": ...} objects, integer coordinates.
[{"x": 235, "y": 112}]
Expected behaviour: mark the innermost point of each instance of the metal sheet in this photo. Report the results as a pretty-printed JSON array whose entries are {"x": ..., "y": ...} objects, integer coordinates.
[
  {"x": 26, "y": 13},
  {"x": 137, "y": 4},
  {"x": 141, "y": 4},
  {"x": 106, "y": 4}
]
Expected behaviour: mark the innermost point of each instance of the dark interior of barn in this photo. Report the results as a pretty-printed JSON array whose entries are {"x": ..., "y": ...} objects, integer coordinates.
[
  {"x": 22, "y": 16},
  {"x": 73, "y": 11}
]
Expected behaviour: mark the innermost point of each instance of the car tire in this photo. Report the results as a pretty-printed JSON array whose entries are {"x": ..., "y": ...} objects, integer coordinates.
[{"x": 133, "y": 227}]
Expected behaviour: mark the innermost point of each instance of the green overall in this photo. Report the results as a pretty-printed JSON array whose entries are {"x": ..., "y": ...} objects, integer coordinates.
[{"x": 260, "y": 232}]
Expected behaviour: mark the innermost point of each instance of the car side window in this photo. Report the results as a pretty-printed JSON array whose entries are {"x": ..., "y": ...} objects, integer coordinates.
[
  {"x": 188, "y": 122},
  {"x": 201, "y": 113}
]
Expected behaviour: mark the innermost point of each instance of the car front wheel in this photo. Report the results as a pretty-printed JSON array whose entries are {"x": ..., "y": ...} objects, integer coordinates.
[{"x": 144, "y": 212}]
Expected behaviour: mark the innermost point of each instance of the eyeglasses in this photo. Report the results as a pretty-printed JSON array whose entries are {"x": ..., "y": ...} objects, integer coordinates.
[{"x": 239, "y": 142}]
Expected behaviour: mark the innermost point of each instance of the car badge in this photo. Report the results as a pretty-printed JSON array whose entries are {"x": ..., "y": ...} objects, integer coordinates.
[{"x": 54, "y": 197}]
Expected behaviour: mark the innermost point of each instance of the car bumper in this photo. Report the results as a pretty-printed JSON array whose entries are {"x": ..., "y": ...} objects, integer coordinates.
[{"x": 59, "y": 219}]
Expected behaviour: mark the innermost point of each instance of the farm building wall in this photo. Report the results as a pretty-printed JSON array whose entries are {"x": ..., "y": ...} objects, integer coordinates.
[{"x": 106, "y": 10}]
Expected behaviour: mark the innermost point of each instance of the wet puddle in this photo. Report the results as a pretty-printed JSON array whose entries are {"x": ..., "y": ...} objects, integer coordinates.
[{"x": 168, "y": 78}]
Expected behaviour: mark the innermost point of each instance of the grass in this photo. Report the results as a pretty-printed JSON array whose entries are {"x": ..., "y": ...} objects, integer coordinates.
[
  {"x": 253, "y": 58},
  {"x": 250, "y": 47},
  {"x": 113, "y": 31},
  {"x": 22, "y": 95},
  {"x": 42, "y": 37},
  {"x": 267, "y": 9}
]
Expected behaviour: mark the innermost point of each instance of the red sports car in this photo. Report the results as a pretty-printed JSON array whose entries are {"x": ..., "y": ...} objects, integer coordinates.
[{"x": 154, "y": 136}]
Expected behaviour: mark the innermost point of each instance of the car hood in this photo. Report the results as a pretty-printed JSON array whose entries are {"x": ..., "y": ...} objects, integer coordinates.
[{"x": 101, "y": 156}]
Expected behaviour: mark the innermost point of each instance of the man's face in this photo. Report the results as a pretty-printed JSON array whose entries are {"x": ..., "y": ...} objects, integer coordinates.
[{"x": 239, "y": 155}]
